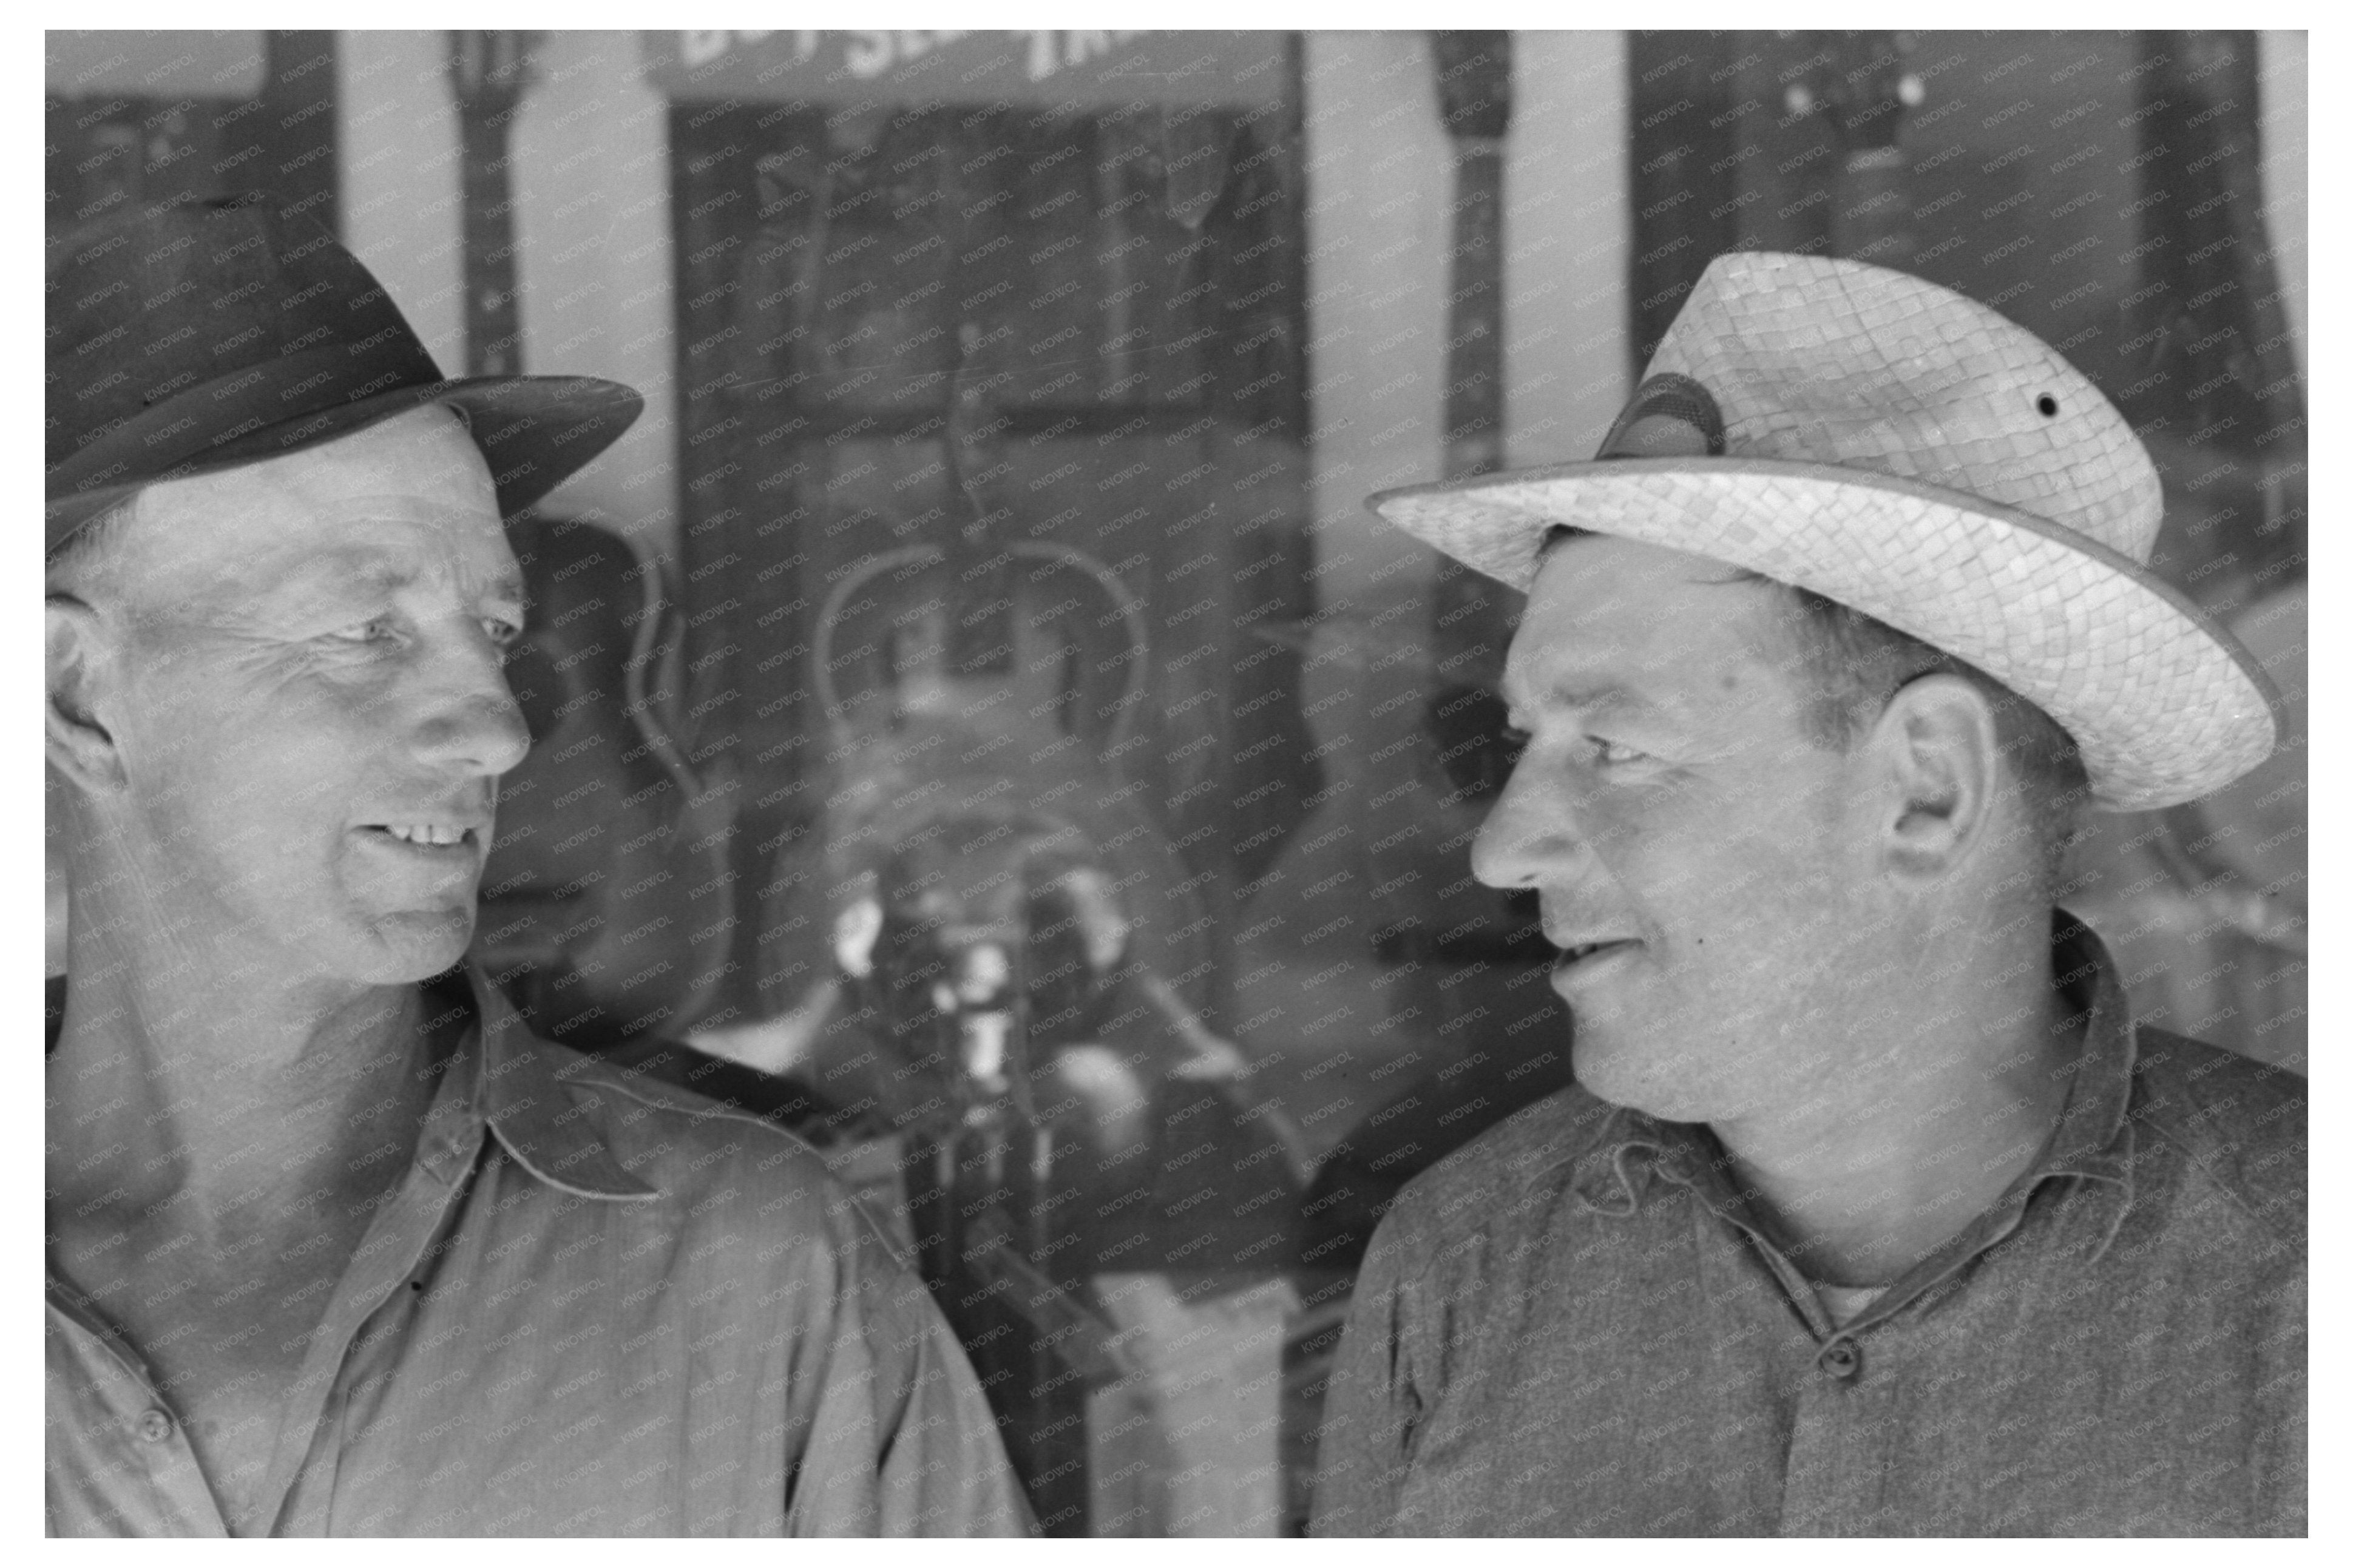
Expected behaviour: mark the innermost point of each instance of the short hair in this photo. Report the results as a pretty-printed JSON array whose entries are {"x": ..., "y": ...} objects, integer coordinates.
[
  {"x": 1855, "y": 663},
  {"x": 82, "y": 553},
  {"x": 87, "y": 549}
]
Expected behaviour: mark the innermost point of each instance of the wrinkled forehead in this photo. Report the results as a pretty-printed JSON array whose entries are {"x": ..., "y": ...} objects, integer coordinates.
[
  {"x": 408, "y": 497},
  {"x": 1604, "y": 610}
]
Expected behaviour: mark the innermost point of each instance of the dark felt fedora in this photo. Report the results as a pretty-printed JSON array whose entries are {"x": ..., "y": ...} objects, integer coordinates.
[{"x": 188, "y": 338}]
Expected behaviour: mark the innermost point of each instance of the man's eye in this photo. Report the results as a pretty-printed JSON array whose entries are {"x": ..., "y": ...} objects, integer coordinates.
[
  {"x": 1609, "y": 754},
  {"x": 368, "y": 631}
]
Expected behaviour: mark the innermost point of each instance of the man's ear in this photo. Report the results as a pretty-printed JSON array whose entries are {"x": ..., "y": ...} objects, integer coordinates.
[
  {"x": 80, "y": 747},
  {"x": 1942, "y": 757}
]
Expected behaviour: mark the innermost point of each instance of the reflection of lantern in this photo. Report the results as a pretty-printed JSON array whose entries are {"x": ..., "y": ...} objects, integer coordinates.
[
  {"x": 1011, "y": 936},
  {"x": 942, "y": 363},
  {"x": 994, "y": 959},
  {"x": 1015, "y": 758},
  {"x": 1007, "y": 916},
  {"x": 976, "y": 329},
  {"x": 985, "y": 920}
]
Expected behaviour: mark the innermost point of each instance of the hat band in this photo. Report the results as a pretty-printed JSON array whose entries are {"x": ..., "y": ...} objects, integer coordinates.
[
  {"x": 1670, "y": 415},
  {"x": 278, "y": 403}
]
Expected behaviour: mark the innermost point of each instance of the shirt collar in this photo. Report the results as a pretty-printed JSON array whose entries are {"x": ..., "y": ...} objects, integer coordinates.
[
  {"x": 502, "y": 1076},
  {"x": 531, "y": 1097},
  {"x": 2093, "y": 1139}
]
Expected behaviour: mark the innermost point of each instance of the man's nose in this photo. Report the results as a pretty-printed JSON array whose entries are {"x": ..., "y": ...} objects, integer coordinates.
[
  {"x": 1529, "y": 833},
  {"x": 473, "y": 724}
]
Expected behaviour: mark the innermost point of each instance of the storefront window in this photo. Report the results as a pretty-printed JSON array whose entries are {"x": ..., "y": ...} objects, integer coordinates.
[{"x": 993, "y": 453}]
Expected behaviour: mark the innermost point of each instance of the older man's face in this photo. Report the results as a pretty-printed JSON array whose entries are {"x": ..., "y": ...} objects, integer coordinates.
[
  {"x": 1668, "y": 807},
  {"x": 313, "y": 714}
]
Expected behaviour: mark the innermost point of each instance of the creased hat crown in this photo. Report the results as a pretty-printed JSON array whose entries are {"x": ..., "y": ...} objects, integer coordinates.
[
  {"x": 160, "y": 320},
  {"x": 1812, "y": 359},
  {"x": 187, "y": 337}
]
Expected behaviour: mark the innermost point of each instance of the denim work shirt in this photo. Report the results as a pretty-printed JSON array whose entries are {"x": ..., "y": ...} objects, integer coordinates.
[
  {"x": 594, "y": 1305},
  {"x": 1575, "y": 1326}
]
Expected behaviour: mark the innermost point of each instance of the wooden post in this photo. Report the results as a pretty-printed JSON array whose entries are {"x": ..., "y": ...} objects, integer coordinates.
[
  {"x": 489, "y": 73},
  {"x": 1474, "y": 94},
  {"x": 1471, "y": 615}
]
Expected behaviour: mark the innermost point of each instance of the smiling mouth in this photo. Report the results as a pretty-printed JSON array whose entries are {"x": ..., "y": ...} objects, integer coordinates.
[
  {"x": 422, "y": 835},
  {"x": 1585, "y": 950}
]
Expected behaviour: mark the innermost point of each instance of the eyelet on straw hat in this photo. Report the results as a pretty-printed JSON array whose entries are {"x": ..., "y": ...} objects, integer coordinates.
[{"x": 1907, "y": 452}]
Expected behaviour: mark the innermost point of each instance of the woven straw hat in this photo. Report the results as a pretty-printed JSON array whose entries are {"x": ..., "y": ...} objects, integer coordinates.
[{"x": 1909, "y": 453}]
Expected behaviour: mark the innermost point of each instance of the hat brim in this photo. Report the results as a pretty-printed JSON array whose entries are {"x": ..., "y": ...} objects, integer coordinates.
[
  {"x": 533, "y": 432},
  {"x": 2165, "y": 704}
]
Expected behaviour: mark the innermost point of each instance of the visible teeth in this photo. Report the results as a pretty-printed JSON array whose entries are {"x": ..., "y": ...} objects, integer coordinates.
[{"x": 425, "y": 833}]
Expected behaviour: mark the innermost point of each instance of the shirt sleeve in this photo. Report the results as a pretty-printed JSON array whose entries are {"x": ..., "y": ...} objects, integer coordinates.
[
  {"x": 902, "y": 1442},
  {"x": 1371, "y": 1404}
]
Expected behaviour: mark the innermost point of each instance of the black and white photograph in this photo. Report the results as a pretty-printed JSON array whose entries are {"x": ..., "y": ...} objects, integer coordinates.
[{"x": 1175, "y": 783}]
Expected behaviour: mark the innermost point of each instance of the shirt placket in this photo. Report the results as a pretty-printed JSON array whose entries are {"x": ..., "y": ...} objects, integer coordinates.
[
  {"x": 1837, "y": 1460},
  {"x": 150, "y": 1438},
  {"x": 141, "y": 1433},
  {"x": 303, "y": 1467},
  {"x": 1819, "y": 1391},
  {"x": 147, "y": 1437},
  {"x": 1842, "y": 1402},
  {"x": 1838, "y": 1397}
]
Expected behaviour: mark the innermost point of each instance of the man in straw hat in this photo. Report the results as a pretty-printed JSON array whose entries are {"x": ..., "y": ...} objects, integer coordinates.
[
  {"x": 334, "y": 1244},
  {"x": 1871, "y": 1212}
]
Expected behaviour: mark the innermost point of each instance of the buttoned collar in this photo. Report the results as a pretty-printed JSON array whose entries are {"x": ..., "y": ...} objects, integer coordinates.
[
  {"x": 528, "y": 1093},
  {"x": 500, "y": 1076},
  {"x": 2093, "y": 1139}
]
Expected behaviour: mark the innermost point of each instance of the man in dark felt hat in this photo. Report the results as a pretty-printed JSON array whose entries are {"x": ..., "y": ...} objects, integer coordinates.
[
  {"x": 335, "y": 1246},
  {"x": 1871, "y": 1212}
]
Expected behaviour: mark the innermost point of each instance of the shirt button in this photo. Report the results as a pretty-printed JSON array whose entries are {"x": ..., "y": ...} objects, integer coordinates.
[
  {"x": 155, "y": 1426},
  {"x": 1843, "y": 1361}
]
